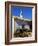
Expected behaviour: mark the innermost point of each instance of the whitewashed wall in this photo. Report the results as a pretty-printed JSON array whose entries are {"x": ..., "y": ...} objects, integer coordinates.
[{"x": 37, "y": 22}]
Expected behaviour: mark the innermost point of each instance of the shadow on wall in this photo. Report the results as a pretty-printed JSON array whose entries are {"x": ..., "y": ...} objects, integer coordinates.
[{"x": 23, "y": 31}]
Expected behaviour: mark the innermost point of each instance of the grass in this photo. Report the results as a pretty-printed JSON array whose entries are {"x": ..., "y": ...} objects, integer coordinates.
[{"x": 23, "y": 33}]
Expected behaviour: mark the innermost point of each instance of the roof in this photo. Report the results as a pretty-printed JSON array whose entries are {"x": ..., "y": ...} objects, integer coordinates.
[{"x": 16, "y": 17}]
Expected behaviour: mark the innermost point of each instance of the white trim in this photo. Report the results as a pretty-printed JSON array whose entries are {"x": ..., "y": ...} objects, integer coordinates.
[
  {"x": 33, "y": 23},
  {"x": 33, "y": 29},
  {"x": 22, "y": 5},
  {"x": 12, "y": 27},
  {"x": 9, "y": 22}
]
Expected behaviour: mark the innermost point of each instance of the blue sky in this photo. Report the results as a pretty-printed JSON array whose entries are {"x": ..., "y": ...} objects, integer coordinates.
[{"x": 26, "y": 11}]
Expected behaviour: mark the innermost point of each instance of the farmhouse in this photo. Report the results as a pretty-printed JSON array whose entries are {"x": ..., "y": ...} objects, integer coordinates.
[{"x": 21, "y": 25}]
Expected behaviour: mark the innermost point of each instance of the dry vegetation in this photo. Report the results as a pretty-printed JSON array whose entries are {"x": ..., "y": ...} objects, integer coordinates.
[{"x": 23, "y": 33}]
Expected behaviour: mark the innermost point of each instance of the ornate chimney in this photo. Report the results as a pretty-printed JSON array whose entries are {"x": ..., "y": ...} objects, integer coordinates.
[{"x": 21, "y": 14}]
